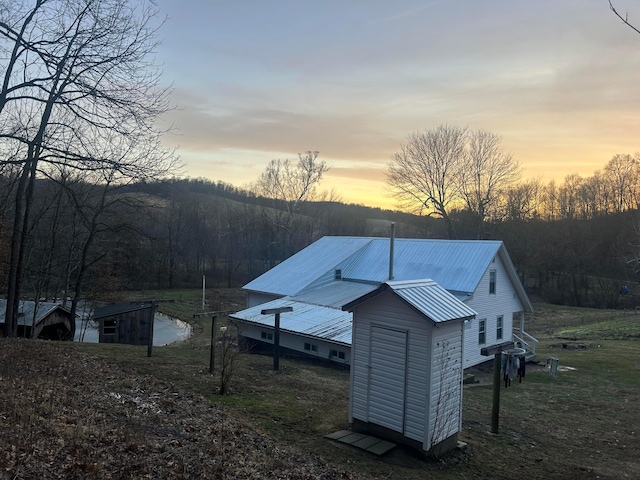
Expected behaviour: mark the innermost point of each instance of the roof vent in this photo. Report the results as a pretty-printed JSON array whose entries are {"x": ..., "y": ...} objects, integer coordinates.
[{"x": 391, "y": 247}]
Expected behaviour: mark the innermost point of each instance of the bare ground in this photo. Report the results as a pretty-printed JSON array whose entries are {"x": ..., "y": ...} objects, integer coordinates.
[{"x": 66, "y": 415}]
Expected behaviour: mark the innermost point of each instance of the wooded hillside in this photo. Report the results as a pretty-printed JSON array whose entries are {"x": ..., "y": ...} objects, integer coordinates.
[{"x": 170, "y": 233}]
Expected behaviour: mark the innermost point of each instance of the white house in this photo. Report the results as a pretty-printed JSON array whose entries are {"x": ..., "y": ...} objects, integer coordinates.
[
  {"x": 406, "y": 372},
  {"x": 328, "y": 274}
]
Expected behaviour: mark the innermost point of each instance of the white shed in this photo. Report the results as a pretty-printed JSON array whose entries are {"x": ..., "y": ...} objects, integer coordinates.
[{"x": 407, "y": 364}]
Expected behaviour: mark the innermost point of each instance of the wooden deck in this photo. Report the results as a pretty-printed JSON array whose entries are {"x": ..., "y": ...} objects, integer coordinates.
[{"x": 371, "y": 444}]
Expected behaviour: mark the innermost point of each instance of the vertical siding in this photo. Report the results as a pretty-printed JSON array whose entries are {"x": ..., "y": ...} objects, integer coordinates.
[
  {"x": 388, "y": 310},
  {"x": 445, "y": 406},
  {"x": 488, "y": 307}
]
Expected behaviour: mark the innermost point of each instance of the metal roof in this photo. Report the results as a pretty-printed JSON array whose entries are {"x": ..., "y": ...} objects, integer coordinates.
[
  {"x": 323, "y": 322},
  {"x": 26, "y": 309},
  {"x": 456, "y": 265},
  {"x": 432, "y": 300},
  {"x": 336, "y": 294},
  {"x": 302, "y": 269},
  {"x": 118, "y": 308}
]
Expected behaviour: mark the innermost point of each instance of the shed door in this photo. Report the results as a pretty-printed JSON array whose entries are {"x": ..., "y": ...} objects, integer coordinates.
[{"x": 387, "y": 378}]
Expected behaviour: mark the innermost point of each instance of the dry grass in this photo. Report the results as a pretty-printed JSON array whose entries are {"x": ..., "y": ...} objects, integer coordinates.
[{"x": 582, "y": 424}]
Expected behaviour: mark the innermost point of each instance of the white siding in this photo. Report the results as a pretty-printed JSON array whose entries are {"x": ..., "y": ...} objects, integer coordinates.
[
  {"x": 257, "y": 298},
  {"x": 387, "y": 310},
  {"x": 505, "y": 302},
  {"x": 445, "y": 412},
  {"x": 296, "y": 342}
]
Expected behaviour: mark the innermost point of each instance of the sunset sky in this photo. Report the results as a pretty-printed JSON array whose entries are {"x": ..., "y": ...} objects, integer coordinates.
[{"x": 255, "y": 81}]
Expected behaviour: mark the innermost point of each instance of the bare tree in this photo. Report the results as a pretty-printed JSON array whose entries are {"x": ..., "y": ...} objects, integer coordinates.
[
  {"x": 289, "y": 187},
  {"x": 524, "y": 200},
  {"x": 79, "y": 90},
  {"x": 622, "y": 175},
  {"x": 487, "y": 172},
  {"x": 425, "y": 174}
]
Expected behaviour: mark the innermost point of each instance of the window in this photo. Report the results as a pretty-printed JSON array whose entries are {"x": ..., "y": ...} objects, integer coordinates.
[
  {"x": 482, "y": 332},
  {"x": 336, "y": 353},
  {"x": 499, "y": 328},
  {"x": 338, "y": 274},
  {"x": 492, "y": 282},
  {"x": 109, "y": 327},
  {"x": 310, "y": 347},
  {"x": 266, "y": 335}
]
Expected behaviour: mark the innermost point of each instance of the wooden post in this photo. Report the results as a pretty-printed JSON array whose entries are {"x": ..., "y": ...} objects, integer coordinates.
[
  {"x": 495, "y": 409},
  {"x": 151, "y": 320},
  {"x": 497, "y": 365},
  {"x": 276, "y": 343},
  {"x": 276, "y": 332},
  {"x": 213, "y": 315},
  {"x": 212, "y": 356}
]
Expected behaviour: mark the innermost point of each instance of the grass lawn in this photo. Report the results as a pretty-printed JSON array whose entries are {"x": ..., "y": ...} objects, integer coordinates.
[{"x": 584, "y": 423}]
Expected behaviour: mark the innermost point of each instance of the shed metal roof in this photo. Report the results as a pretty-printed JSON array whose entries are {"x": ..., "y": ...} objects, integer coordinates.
[
  {"x": 426, "y": 296},
  {"x": 26, "y": 309},
  {"x": 432, "y": 300},
  {"x": 118, "y": 308}
]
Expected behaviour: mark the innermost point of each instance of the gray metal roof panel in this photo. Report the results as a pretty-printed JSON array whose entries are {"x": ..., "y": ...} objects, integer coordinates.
[
  {"x": 336, "y": 294},
  {"x": 306, "y": 319},
  {"x": 302, "y": 269},
  {"x": 456, "y": 265},
  {"x": 119, "y": 308},
  {"x": 432, "y": 300},
  {"x": 26, "y": 309}
]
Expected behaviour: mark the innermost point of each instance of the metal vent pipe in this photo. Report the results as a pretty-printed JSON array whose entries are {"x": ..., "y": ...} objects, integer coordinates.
[{"x": 392, "y": 240}]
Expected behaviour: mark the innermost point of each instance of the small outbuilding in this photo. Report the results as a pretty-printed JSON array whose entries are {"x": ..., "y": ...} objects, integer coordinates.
[
  {"x": 44, "y": 320},
  {"x": 407, "y": 364},
  {"x": 128, "y": 322}
]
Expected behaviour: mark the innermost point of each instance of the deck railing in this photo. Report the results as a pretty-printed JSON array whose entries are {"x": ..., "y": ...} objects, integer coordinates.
[{"x": 526, "y": 341}]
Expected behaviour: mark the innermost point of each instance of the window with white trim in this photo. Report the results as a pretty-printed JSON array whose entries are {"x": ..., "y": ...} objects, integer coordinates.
[
  {"x": 499, "y": 327},
  {"x": 337, "y": 353},
  {"x": 482, "y": 332}
]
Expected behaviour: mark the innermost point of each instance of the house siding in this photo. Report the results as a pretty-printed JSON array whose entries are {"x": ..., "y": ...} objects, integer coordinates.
[
  {"x": 488, "y": 307},
  {"x": 296, "y": 342},
  {"x": 257, "y": 298}
]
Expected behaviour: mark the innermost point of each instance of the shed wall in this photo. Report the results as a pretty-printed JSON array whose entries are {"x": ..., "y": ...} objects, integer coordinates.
[
  {"x": 387, "y": 310},
  {"x": 446, "y": 383}
]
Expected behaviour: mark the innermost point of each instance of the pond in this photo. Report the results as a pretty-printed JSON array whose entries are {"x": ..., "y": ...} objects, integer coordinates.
[{"x": 166, "y": 330}]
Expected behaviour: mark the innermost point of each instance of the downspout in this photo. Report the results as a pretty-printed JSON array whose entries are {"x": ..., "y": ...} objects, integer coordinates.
[{"x": 392, "y": 240}]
